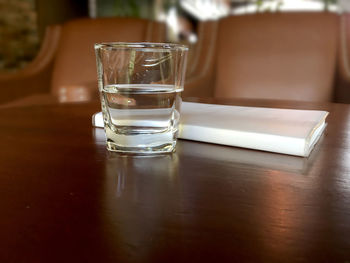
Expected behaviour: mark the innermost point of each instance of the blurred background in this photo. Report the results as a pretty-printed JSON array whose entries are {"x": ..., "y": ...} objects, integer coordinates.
[{"x": 23, "y": 22}]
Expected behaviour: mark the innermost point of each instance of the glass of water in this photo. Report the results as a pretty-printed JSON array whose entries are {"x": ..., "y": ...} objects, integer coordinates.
[{"x": 140, "y": 88}]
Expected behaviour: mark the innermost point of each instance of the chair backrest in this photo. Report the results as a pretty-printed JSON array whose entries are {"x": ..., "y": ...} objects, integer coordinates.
[
  {"x": 204, "y": 49},
  {"x": 342, "y": 91},
  {"x": 75, "y": 63},
  {"x": 201, "y": 61},
  {"x": 290, "y": 56}
]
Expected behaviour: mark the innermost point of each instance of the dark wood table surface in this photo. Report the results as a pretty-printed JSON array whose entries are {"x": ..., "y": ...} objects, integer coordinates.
[{"x": 64, "y": 198}]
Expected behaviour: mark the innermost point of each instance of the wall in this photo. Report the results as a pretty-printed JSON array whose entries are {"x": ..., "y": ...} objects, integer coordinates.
[
  {"x": 18, "y": 33},
  {"x": 58, "y": 11}
]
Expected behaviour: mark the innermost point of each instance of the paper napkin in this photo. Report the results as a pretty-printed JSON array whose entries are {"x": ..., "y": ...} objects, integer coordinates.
[{"x": 286, "y": 131}]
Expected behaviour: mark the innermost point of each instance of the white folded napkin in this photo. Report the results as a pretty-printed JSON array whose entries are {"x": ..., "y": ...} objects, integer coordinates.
[{"x": 286, "y": 131}]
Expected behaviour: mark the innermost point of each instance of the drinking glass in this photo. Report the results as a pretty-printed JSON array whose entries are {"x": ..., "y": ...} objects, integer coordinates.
[{"x": 140, "y": 88}]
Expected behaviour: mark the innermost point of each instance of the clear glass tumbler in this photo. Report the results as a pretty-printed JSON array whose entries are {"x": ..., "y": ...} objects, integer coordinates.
[{"x": 140, "y": 88}]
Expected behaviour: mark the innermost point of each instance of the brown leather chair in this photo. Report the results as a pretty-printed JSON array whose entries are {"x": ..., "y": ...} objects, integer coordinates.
[
  {"x": 36, "y": 77},
  {"x": 201, "y": 62},
  {"x": 284, "y": 56},
  {"x": 74, "y": 76},
  {"x": 342, "y": 91}
]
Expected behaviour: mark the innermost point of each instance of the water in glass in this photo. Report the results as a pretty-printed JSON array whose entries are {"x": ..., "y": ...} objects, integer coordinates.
[{"x": 141, "y": 117}]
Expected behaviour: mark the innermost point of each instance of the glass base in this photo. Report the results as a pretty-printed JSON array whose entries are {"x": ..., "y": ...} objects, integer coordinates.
[
  {"x": 165, "y": 148},
  {"x": 147, "y": 143}
]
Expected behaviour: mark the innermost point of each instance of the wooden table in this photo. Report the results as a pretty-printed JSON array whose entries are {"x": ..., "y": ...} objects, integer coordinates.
[{"x": 64, "y": 198}]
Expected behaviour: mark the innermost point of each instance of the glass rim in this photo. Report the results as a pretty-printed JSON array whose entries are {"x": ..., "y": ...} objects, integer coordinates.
[{"x": 140, "y": 46}]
